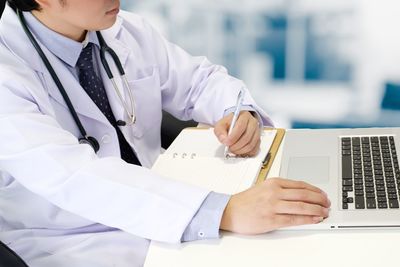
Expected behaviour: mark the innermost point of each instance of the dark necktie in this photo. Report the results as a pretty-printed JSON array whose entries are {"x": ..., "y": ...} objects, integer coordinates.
[{"x": 93, "y": 85}]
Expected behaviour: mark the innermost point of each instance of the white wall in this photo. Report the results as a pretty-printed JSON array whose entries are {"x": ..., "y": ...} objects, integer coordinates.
[{"x": 363, "y": 33}]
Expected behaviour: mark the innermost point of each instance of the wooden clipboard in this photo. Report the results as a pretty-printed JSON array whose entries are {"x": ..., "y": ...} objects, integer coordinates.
[{"x": 280, "y": 133}]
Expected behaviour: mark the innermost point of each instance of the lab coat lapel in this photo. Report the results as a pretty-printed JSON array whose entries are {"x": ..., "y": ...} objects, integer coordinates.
[
  {"x": 17, "y": 41},
  {"x": 82, "y": 103}
]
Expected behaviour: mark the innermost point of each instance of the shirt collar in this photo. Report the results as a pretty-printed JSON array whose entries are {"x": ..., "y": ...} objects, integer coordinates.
[{"x": 64, "y": 48}]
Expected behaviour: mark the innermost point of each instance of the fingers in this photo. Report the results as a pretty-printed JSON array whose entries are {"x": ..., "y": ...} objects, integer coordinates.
[
  {"x": 221, "y": 128},
  {"x": 239, "y": 129},
  {"x": 255, "y": 150},
  {"x": 245, "y": 136},
  {"x": 306, "y": 196},
  {"x": 249, "y": 141},
  {"x": 290, "y": 184},
  {"x": 295, "y": 220},
  {"x": 301, "y": 208}
]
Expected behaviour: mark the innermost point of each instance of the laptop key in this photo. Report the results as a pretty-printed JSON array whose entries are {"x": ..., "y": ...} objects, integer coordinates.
[
  {"x": 358, "y": 181},
  {"x": 346, "y": 146},
  {"x": 391, "y": 191},
  {"x": 359, "y": 193},
  {"x": 371, "y": 204},
  {"x": 369, "y": 179},
  {"x": 380, "y": 188},
  {"x": 381, "y": 199},
  {"x": 356, "y": 140},
  {"x": 393, "y": 203},
  {"x": 359, "y": 202},
  {"x": 346, "y": 152},
  {"x": 369, "y": 189},
  {"x": 377, "y": 166},
  {"x": 366, "y": 164},
  {"x": 381, "y": 193},
  {"x": 390, "y": 180},
  {"x": 390, "y": 185},
  {"x": 347, "y": 188},
  {"x": 365, "y": 140},
  {"x": 384, "y": 139},
  {"x": 347, "y": 182},
  {"x": 369, "y": 184},
  {"x": 346, "y": 167},
  {"x": 382, "y": 205},
  {"x": 370, "y": 195}
]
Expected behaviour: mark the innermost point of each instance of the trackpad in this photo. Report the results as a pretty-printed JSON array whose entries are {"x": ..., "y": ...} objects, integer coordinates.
[{"x": 314, "y": 170}]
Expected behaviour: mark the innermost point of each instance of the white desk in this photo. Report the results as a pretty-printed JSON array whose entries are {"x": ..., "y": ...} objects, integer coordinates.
[{"x": 284, "y": 248}]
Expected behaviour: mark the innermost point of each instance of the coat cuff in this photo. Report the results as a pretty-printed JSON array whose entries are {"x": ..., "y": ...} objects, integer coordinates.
[
  {"x": 205, "y": 223},
  {"x": 254, "y": 113}
]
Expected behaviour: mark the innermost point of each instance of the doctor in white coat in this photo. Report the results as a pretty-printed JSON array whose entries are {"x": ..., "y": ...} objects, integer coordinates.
[{"x": 62, "y": 204}]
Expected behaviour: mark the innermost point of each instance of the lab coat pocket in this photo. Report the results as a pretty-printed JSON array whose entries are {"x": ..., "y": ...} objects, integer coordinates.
[{"x": 147, "y": 95}]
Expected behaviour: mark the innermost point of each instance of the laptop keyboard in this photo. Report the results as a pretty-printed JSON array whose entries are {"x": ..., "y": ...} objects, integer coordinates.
[{"x": 370, "y": 173}]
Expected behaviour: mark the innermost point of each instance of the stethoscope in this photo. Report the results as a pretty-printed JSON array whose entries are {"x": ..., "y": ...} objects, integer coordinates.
[{"x": 104, "y": 48}]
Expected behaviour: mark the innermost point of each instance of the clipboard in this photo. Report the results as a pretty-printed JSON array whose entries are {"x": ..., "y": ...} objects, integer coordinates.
[{"x": 269, "y": 159}]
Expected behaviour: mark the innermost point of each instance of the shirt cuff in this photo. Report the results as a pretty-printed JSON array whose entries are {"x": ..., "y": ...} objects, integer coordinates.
[
  {"x": 205, "y": 223},
  {"x": 247, "y": 108}
]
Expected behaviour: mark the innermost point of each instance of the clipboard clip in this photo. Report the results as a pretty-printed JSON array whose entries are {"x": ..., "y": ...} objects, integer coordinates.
[{"x": 266, "y": 160}]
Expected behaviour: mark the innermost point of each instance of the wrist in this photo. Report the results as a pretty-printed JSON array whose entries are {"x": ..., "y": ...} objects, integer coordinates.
[{"x": 227, "y": 218}]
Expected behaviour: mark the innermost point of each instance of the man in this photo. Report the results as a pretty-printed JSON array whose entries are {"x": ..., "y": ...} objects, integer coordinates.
[{"x": 63, "y": 204}]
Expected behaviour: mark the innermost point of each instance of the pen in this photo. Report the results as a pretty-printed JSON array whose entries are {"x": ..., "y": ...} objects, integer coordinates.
[{"x": 239, "y": 103}]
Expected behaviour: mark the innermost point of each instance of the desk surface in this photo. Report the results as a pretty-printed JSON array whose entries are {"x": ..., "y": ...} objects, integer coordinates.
[{"x": 366, "y": 248}]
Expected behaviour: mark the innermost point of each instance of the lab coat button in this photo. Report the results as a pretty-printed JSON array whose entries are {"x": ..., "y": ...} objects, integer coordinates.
[
  {"x": 201, "y": 234},
  {"x": 106, "y": 139}
]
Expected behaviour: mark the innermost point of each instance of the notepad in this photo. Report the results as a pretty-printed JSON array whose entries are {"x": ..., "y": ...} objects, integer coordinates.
[{"x": 197, "y": 157}]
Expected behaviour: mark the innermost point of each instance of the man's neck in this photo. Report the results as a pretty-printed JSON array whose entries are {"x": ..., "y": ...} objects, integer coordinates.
[{"x": 60, "y": 27}]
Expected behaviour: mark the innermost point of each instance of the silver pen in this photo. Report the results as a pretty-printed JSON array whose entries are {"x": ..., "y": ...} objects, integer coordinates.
[{"x": 239, "y": 103}]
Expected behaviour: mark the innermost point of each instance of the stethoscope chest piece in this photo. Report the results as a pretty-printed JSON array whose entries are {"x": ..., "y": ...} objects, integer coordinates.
[{"x": 91, "y": 141}]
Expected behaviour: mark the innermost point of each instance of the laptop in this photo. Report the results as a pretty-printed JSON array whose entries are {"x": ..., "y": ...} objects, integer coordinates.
[{"x": 358, "y": 168}]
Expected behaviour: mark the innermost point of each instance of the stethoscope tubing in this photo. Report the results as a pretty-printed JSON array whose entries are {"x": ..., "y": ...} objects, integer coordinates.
[
  {"x": 104, "y": 49},
  {"x": 52, "y": 73}
]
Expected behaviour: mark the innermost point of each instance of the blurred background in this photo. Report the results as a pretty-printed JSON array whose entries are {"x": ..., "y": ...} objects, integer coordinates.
[{"x": 309, "y": 64}]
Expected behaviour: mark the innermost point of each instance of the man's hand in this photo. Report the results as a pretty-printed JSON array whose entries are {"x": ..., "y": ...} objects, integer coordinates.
[
  {"x": 273, "y": 204},
  {"x": 245, "y": 137}
]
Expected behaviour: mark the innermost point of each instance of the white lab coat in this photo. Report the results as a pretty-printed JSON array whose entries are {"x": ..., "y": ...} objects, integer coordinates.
[{"x": 60, "y": 203}]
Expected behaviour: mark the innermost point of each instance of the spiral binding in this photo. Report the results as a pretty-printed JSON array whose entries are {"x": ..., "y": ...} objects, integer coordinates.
[{"x": 184, "y": 155}]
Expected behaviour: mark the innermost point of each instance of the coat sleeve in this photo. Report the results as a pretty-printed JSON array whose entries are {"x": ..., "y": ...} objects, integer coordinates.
[
  {"x": 193, "y": 87},
  {"x": 50, "y": 162}
]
